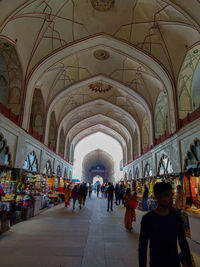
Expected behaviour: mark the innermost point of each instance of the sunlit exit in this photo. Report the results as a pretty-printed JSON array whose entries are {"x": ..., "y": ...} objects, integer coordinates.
[{"x": 98, "y": 145}]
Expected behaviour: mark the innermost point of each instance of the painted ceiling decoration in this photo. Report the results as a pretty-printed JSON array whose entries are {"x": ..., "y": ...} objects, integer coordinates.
[{"x": 100, "y": 65}]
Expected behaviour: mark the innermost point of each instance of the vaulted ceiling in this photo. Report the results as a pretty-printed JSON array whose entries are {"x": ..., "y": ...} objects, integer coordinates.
[{"x": 101, "y": 64}]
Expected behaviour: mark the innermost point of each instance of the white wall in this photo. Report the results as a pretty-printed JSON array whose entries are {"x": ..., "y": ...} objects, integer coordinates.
[
  {"x": 175, "y": 148},
  {"x": 20, "y": 144}
]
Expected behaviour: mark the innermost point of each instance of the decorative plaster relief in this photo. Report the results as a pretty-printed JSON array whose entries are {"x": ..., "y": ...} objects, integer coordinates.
[
  {"x": 102, "y": 5},
  {"x": 101, "y": 54}
]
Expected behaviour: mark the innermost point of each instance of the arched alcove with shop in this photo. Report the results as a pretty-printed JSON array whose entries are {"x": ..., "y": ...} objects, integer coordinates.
[
  {"x": 31, "y": 163},
  {"x": 164, "y": 166},
  {"x": 5, "y": 156},
  {"x": 48, "y": 168},
  {"x": 37, "y": 112}
]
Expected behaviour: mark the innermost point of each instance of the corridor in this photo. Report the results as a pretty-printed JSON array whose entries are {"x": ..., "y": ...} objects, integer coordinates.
[{"x": 60, "y": 237}]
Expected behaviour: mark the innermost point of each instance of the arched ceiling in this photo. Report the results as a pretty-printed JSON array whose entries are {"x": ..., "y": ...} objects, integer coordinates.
[{"x": 101, "y": 69}]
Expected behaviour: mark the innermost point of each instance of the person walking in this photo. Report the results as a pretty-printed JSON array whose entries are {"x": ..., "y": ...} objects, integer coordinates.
[
  {"x": 85, "y": 189},
  {"x": 121, "y": 193},
  {"x": 67, "y": 194},
  {"x": 90, "y": 190},
  {"x": 74, "y": 195},
  {"x": 80, "y": 195},
  {"x": 145, "y": 197},
  {"x": 110, "y": 193},
  {"x": 98, "y": 189},
  {"x": 117, "y": 194},
  {"x": 162, "y": 227},
  {"x": 130, "y": 202}
]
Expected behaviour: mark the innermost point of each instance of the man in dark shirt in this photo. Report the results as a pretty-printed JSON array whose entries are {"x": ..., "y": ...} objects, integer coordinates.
[
  {"x": 110, "y": 192},
  {"x": 162, "y": 227}
]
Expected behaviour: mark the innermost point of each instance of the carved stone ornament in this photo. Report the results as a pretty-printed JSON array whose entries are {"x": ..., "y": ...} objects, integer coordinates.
[
  {"x": 101, "y": 54},
  {"x": 102, "y": 5},
  {"x": 100, "y": 87}
]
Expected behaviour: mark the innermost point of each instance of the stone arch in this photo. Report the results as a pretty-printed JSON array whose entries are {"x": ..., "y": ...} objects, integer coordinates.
[
  {"x": 5, "y": 155},
  {"x": 108, "y": 81},
  {"x": 52, "y": 131},
  {"x": 103, "y": 40},
  {"x": 31, "y": 162},
  {"x": 132, "y": 121},
  {"x": 11, "y": 77},
  {"x": 65, "y": 173},
  {"x": 188, "y": 88},
  {"x": 161, "y": 115},
  {"x": 37, "y": 112}
]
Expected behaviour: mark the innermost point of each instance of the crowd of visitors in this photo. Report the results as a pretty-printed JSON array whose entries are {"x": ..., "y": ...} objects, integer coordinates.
[{"x": 156, "y": 225}]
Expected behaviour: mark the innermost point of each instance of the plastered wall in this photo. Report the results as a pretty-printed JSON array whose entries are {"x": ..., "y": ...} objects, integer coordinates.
[
  {"x": 175, "y": 148},
  {"x": 21, "y": 144}
]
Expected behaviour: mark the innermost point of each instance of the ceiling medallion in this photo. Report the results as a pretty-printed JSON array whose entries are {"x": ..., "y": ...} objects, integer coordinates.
[
  {"x": 102, "y": 5},
  {"x": 101, "y": 54},
  {"x": 99, "y": 87}
]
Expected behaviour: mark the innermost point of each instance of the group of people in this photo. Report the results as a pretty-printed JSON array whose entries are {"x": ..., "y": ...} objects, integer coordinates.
[
  {"x": 78, "y": 192},
  {"x": 161, "y": 227}
]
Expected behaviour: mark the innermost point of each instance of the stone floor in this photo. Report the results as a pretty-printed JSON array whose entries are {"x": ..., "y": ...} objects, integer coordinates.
[{"x": 59, "y": 237}]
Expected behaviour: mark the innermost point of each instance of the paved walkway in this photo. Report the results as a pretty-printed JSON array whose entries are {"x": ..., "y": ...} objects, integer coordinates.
[{"x": 60, "y": 237}]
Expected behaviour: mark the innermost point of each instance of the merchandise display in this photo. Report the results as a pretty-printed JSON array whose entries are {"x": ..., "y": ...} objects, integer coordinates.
[{"x": 25, "y": 193}]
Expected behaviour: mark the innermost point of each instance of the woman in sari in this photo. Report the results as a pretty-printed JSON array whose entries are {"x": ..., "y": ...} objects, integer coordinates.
[
  {"x": 67, "y": 195},
  {"x": 130, "y": 202}
]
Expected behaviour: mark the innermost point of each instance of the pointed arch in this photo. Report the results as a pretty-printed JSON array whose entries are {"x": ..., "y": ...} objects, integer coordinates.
[
  {"x": 52, "y": 131},
  {"x": 188, "y": 88},
  {"x": 11, "y": 77},
  {"x": 37, "y": 112},
  {"x": 62, "y": 142}
]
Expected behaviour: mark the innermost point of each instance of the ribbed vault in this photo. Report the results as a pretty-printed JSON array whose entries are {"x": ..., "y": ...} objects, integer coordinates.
[
  {"x": 98, "y": 162},
  {"x": 114, "y": 71}
]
